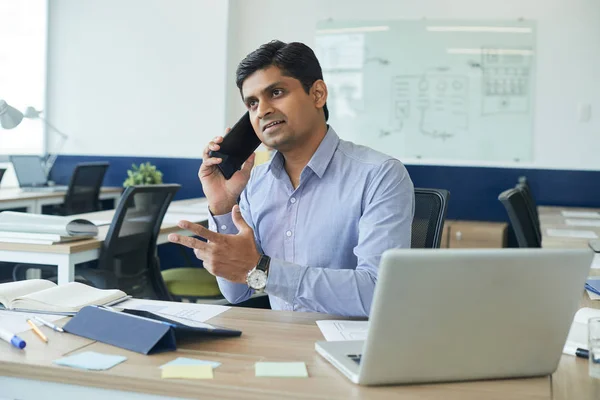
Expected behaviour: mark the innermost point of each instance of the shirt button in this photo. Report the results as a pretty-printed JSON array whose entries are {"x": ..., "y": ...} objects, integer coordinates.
[
  {"x": 288, "y": 233},
  {"x": 223, "y": 227},
  {"x": 293, "y": 200}
]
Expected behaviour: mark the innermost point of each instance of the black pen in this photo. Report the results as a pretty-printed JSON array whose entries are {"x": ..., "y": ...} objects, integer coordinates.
[
  {"x": 577, "y": 351},
  {"x": 583, "y": 353}
]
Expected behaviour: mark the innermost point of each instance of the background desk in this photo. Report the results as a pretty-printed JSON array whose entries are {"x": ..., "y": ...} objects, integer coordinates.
[
  {"x": 67, "y": 255},
  {"x": 34, "y": 201},
  {"x": 267, "y": 336},
  {"x": 571, "y": 380}
]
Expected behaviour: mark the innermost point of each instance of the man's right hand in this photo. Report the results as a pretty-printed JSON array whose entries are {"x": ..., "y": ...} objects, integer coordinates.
[{"x": 222, "y": 194}]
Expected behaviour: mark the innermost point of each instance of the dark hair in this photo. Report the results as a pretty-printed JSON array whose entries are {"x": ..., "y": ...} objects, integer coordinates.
[{"x": 294, "y": 59}]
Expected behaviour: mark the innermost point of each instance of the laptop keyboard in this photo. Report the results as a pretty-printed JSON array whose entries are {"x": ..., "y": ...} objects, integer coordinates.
[{"x": 355, "y": 357}]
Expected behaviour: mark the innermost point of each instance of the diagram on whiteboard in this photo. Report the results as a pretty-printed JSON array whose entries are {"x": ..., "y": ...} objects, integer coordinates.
[
  {"x": 438, "y": 102},
  {"x": 432, "y": 89},
  {"x": 506, "y": 80}
]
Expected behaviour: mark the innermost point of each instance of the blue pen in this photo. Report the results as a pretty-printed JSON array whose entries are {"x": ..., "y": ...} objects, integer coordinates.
[{"x": 12, "y": 339}]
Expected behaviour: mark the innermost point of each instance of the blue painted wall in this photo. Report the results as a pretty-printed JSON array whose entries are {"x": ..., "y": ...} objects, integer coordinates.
[{"x": 474, "y": 190}]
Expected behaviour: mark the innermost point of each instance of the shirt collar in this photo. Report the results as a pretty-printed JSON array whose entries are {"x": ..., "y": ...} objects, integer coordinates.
[{"x": 318, "y": 162}]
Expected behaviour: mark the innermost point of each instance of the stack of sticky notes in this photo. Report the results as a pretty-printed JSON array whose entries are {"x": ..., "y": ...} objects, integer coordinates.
[
  {"x": 281, "y": 369},
  {"x": 188, "y": 368}
]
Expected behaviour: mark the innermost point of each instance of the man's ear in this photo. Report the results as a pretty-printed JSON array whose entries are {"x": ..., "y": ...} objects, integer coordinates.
[{"x": 319, "y": 93}]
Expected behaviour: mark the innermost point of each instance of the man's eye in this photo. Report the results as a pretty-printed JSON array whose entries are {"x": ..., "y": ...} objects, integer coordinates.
[
  {"x": 277, "y": 92},
  {"x": 252, "y": 104}
]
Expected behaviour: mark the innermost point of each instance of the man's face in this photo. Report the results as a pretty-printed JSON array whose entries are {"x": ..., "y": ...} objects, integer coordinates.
[{"x": 282, "y": 113}]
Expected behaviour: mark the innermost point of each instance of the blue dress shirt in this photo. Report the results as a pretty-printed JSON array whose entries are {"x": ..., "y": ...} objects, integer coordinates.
[{"x": 326, "y": 237}]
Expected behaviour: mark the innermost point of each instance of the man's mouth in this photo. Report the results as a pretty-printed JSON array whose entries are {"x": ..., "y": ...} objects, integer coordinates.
[{"x": 272, "y": 124}]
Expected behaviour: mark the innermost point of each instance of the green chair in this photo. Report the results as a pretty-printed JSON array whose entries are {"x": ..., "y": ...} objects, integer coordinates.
[{"x": 191, "y": 283}]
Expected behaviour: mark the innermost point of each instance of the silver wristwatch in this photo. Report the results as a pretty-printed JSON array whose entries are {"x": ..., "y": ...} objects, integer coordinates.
[{"x": 257, "y": 277}]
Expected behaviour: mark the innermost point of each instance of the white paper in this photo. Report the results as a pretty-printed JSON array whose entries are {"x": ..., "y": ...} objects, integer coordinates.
[
  {"x": 571, "y": 233},
  {"x": 578, "y": 334},
  {"x": 580, "y": 214},
  {"x": 334, "y": 330},
  {"x": 101, "y": 222},
  {"x": 582, "y": 222},
  {"x": 187, "y": 311},
  {"x": 593, "y": 296},
  {"x": 16, "y": 322},
  {"x": 596, "y": 261}
]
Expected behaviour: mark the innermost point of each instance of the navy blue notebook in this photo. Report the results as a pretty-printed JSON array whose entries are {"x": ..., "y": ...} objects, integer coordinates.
[{"x": 139, "y": 331}]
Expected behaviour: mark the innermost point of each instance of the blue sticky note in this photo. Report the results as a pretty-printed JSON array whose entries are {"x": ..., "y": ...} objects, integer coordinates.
[
  {"x": 91, "y": 360},
  {"x": 191, "y": 361}
]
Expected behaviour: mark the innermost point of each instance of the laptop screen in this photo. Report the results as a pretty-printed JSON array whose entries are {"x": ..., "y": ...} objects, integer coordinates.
[{"x": 29, "y": 170}]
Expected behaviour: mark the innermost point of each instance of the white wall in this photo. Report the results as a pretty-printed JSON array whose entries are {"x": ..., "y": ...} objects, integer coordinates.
[
  {"x": 568, "y": 56},
  {"x": 137, "y": 77}
]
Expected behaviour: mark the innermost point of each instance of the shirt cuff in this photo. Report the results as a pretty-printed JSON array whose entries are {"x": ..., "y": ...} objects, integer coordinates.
[
  {"x": 284, "y": 280},
  {"x": 221, "y": 223}
]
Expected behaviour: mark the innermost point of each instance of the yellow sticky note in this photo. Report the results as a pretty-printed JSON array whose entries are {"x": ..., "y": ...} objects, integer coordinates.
[
  {"x": 187, "y": 371},
  {"x": 281, "y": 369}
]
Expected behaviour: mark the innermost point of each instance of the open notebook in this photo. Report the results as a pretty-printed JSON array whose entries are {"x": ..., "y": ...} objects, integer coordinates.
[{"x": 45, "y": 296}]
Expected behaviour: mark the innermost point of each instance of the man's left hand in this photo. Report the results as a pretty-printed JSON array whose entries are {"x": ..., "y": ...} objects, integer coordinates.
[{"x": 227, "y": 256}]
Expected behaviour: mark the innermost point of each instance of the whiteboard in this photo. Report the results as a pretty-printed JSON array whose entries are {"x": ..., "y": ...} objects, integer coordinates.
[{"x": 432, "y": 89}]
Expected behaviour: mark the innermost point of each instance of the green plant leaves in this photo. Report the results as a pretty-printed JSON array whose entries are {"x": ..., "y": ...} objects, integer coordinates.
[{"x": 144, "y": 174}]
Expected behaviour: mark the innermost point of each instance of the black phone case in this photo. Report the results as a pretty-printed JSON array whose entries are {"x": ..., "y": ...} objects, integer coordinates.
[{"x": 237, "y": 146}]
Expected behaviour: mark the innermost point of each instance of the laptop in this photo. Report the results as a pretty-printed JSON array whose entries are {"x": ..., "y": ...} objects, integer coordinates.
[
  {"x": 31, "y": 175},
  {"x": 454, "y": 315}
]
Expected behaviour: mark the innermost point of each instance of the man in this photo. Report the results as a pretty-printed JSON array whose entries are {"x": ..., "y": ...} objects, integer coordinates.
[{"x": 312, "y": 223}]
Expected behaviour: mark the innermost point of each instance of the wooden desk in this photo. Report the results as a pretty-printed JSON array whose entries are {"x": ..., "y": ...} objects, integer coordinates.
[
  {"x": 34, "y": 201},
  {"x": 267, "y": 336},
  {"x": 67, "y": 255},
  {"x": 551, "y": 218},
  {"x": 571, "y": 380}
]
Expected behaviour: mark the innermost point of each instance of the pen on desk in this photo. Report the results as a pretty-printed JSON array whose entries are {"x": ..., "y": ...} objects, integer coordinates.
[
  {"x": 12, "y": 339},
  {"x": 37, "y": 331},
  {"x": 578, "y": 352},
  {"x": 583, "y": 353},
  {"x": 48, "y": 324}
]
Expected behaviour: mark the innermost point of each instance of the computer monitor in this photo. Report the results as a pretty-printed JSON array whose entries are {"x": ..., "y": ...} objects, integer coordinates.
[{"x": 29, "y": 171}]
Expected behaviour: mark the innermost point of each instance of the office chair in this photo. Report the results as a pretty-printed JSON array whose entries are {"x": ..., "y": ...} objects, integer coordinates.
[
  {"x": 523, "y": 185},
  {"x": 521, "y": 218},
  {"x": 83, "y": 194},
  {"x": 128, "y": 258},
  {"x": 431, "y": 206},
  {"x": 2, "y": 171},
  {"x": 194, "y": 284}
]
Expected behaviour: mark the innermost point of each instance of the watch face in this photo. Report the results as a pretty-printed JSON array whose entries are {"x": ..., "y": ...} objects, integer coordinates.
[{"x": 257, "y": 279}]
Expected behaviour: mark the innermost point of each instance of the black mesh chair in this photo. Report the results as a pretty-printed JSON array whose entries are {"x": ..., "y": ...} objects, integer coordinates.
[
  {"x": 524, "y": 187},
  {"x": 84, "y": 189},
  {"x": 128, "y": 258},
  {"x": 431, "y": 206},
  {"x": 521, "y": 218}
]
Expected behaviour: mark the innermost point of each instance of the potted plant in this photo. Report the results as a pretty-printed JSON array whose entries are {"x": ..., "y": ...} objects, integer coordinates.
[{"x": 145, "y": 174}]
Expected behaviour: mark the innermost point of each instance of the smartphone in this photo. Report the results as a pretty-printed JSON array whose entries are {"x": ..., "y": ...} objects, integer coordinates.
[{"x": 238, "y": 144}]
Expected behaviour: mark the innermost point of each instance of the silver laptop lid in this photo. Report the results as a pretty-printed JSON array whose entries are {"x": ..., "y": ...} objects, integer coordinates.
[
  {"x": 443, "y": 315},
  {"x": 29, "y": 170}
]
